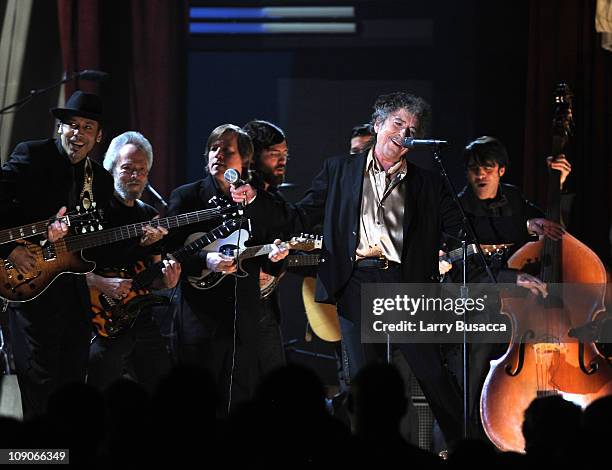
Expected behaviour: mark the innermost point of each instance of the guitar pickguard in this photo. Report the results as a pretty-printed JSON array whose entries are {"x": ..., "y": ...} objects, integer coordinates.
[{"x": 208, "y": 278}]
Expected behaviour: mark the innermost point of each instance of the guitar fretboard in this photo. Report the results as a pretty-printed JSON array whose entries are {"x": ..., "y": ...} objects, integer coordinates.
[
  {"x": 29, "y": 230},
  {"x": 104, "y": 237},
  {"x": 253, "y": 251},
  {"x": 146, "y": 277},
  {"x": 303, "y": 260},
  {"x": 205, "y": 240},
  {"x": 24, "y": 231}
]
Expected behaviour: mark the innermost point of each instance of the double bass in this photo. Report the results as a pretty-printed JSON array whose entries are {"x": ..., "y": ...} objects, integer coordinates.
[{"x": 543, "y": 358}]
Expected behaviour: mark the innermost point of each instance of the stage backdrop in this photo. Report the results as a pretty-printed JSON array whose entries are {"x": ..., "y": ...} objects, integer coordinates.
[{"x": 139, "y": 43}]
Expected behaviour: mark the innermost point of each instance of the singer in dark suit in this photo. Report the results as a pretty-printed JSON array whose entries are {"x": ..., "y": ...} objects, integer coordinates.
[
  {"x": 383, "y": 218},
  {"x": 207, "y": 320}
]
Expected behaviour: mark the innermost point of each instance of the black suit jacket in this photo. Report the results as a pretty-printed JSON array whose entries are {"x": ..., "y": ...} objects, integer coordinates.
[
  {"x": 335, "y": 200},
  {"x": 213, "y": 306}
]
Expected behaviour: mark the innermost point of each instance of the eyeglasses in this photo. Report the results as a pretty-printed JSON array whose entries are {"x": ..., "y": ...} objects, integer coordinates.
[{"x": 130, "y": 171}]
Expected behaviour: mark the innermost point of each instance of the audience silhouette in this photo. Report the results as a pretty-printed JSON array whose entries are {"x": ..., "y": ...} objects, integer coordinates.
[{"x": 285, "y": 424}]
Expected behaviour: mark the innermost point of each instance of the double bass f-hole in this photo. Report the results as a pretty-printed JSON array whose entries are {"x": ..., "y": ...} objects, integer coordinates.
[
  {"x": 521, "y": 355},
  {"x": 593, "y": 366}
]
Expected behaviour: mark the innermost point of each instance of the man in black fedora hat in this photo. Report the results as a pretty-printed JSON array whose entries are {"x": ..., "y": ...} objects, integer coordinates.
[{"x": 50, "y": 333}]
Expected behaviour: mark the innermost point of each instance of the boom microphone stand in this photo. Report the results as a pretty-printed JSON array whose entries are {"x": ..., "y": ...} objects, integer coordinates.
[
  {"x": 469, "y": 236},
  {"x": 92, "y": 75}
]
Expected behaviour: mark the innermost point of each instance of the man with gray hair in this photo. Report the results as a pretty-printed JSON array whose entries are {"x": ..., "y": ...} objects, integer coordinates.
[
  {"x": 139, "y": 350},
  {"x": 382, "y": 221},
  {"x": 127, "y": 185}
]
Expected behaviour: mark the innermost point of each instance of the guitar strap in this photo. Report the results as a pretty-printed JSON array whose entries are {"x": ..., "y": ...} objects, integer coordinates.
[{"x": 87, "y": 195}]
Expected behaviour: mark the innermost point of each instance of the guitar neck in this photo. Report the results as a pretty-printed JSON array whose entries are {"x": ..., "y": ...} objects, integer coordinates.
[
  {"x": 104, "y": 237},
  {"x": 253, "y": 251},
  {"x": 303, "y": 260},
  {"x": 29, "y": 230},
  {"x": 457, "y": 254},
  {"x": 209, "y": 237},
  {"x": 260, "y": 250},
  {"x": 144, "y": 278}
]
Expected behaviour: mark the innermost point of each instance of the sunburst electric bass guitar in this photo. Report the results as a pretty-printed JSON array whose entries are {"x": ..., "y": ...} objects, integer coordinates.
[{"x": 112, "y": 316}]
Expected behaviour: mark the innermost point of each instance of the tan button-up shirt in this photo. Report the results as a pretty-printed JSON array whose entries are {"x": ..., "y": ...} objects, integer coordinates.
[{"x": 381, "y": 228}]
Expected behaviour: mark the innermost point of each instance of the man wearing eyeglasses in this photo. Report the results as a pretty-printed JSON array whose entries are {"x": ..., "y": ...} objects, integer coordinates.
[
  {"x": 139, "y": 350},
  {"x": 50, "y": 334}
]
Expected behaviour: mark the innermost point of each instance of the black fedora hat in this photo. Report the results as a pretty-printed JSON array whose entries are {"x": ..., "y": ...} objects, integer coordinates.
[{"x": 87, "y": 105}]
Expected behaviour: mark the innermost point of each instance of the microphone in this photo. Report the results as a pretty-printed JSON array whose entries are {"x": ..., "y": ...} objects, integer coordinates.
[
  {"x": 91, "y": 75},
  {"x": 410, "y": 143},
  {"x": 232, "y": 176},
  {"x": 157, "y": 196}
]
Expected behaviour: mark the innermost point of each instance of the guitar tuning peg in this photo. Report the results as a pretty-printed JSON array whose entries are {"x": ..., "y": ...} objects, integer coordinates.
[
  {"x": 93, "y": 204},
  {"x": 100, "y": 227},
  {"x": 78, "y": 208},
  {"x": 83, "y": 230}
]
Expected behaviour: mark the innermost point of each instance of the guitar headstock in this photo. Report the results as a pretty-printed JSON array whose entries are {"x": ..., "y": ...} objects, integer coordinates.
[
  {"x": 86, "y": 220},
  {"x": 230, "y": 211},
  {"x": 226, "y": 208},
  {"x": 306, "y": 242},
  {"x": 563, "y": 121},
  {"x": 232, "y": 225}
]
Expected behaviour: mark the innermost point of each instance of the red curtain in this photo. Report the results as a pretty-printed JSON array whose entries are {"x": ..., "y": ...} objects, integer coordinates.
[
  {"x": 141, "y": 44},
  {"x": 563, "y": 46}
]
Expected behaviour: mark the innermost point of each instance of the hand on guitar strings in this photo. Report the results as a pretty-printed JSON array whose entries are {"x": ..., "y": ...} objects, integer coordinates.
[
  {"x": 152, "y": 234},
  {"x": 279, "y": 251},
  {"x": 113, "y": 287},
  {"x": 171, "y": 273},
  {"x": 443, "y": 265},
  {"x": 546, "y": 228},
  {"x": 532, "y": 283},
  {"x": 23, "y": 259},
  {"x": 57, "y": 229},
  {"x": 220, "y": 263}
]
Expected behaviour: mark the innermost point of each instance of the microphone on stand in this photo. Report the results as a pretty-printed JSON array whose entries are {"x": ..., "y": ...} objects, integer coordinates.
[
  {"x": 91, "y": 75},
  {"x": 411, "y": 143},
  {"x": 157, "y": 196},
  {"x": 87, "y": 74}
]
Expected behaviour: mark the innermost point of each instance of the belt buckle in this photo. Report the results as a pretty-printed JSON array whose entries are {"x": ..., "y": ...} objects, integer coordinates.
[{"x": 385, "y": 263}]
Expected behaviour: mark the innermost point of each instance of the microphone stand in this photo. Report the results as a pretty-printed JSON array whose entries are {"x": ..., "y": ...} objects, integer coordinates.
[
  {"x": 469, "y": 235},
  {"x": 40, "y": 91},
  {"x": 158, "y": 197}
]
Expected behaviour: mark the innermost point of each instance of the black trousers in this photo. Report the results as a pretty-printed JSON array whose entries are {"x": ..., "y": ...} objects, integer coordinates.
[
  {"x": 230, "y": 358},
  {"x": 270, "y": 348},
  {"x": 139, "y": 352},
  {"x": 50, "y": 338},
  {"x": 425, "y": 360},
  {"x": 479, "y": 357}
]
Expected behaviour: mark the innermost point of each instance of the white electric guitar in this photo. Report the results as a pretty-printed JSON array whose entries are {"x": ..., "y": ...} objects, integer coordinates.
[{"x": 233, "y": 245}]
